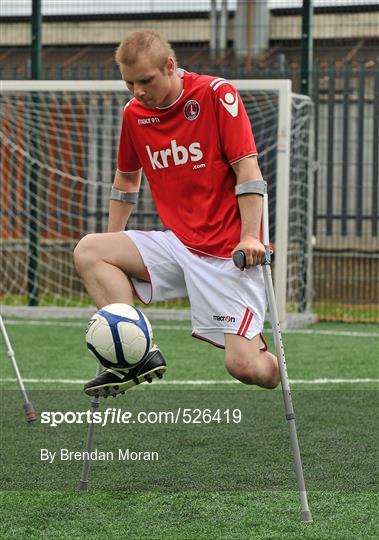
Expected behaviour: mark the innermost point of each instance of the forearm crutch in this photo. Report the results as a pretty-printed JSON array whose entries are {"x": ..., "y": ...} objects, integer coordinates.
[
  {"x": 83, "y": 482},
  {"x": 240, "y": 261},
  {"x": 28, "y": 407}
]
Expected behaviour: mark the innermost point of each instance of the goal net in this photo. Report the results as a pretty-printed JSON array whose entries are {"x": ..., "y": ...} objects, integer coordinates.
[{"x": 58, "y": 148}]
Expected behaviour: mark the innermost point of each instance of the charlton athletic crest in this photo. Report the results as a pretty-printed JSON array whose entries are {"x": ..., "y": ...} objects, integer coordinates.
[{"x": 191, "y": 109}]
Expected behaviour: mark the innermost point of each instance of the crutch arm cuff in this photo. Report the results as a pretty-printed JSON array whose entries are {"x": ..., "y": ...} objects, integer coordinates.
[
  {"x": 254, "y": 187},
  {"x": 124, "y": 196}
]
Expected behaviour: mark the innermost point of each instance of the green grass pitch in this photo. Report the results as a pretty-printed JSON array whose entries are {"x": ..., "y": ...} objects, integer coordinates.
[{"x": 212, "y": 481}]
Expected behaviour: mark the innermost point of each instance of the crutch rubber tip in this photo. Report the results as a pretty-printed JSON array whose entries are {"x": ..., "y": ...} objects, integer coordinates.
[
  {"x": 306, "y": 516},
  {"x": 31, "y": 416},
  {"x": 29, "y": 412},
  {"x": 83, "y": 485}
]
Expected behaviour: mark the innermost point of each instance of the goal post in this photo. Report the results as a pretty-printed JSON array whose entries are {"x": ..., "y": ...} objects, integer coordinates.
[
  {"x": 282, "y": 173},
  {"x": 76, "y": 125}
]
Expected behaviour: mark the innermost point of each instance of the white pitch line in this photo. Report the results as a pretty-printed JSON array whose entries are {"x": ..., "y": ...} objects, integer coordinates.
[
  {"x": 343, "y": 333},
  {"x": 32, "y": 322},
  {"x": 200, "y": 382}
]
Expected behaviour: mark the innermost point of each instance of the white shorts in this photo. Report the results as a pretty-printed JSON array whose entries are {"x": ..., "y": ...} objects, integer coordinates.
[{"x": 223, "y": 299}]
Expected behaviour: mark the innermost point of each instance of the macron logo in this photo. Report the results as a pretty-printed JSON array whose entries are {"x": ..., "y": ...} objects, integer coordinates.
[
  {"x": 176, "y": 155},
  {"x": 230, "y": 104},
  {"x": 226, "y": 318}
]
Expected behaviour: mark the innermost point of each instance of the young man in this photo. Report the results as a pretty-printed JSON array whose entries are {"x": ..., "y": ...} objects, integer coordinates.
[{"x": 191, "y": 136}]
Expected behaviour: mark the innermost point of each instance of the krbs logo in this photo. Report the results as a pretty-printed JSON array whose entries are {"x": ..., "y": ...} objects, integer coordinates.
[
  {"x": 191, "y": 109},
  {"x": 179, "y": 155}
]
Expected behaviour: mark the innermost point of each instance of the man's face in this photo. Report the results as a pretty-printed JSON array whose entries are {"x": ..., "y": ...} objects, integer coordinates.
[{"x": 149, "y": 84}]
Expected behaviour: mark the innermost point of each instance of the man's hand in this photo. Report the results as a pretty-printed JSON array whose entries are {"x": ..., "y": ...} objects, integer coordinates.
[{"x": 254, "y": 250}]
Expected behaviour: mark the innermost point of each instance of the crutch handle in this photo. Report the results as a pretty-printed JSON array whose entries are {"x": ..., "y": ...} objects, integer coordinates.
[{"x": 239, "y": 258}]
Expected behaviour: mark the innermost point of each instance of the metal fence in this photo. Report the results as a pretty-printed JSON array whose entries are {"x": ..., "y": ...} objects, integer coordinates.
[
  {"x": 346, "y": 251},
  {"x": 347, "y": 119}
]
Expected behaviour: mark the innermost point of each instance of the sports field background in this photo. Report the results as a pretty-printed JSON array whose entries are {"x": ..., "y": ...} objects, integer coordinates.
[{"x": 218, "y": 481}]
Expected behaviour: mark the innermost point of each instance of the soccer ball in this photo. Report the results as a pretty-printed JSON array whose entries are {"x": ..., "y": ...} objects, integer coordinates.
[{"x": 119, "y": 336}]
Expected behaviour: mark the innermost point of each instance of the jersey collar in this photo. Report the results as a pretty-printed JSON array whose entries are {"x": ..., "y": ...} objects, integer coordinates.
[{"x": 181, "y": 72}]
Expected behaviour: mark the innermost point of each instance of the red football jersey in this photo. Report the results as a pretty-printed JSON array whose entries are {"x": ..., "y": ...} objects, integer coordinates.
[{"x": 186, "y": 151}]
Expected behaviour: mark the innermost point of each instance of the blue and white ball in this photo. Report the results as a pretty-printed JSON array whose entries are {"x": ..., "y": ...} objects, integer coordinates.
[{"x": 119, "y": 336}]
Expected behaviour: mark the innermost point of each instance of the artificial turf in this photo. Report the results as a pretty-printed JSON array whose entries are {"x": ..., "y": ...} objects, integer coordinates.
[{"x": 213, "y": 481}]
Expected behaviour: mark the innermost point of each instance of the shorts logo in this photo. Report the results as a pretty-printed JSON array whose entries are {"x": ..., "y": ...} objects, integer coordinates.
[
  {"x": 224, "y": 318},
  {"x": 191, "y": 109}
]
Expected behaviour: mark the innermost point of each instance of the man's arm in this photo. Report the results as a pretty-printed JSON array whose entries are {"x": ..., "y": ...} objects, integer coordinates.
[
  {"x": 251, "y": 212},
  {"x": 119, "y": 211}
]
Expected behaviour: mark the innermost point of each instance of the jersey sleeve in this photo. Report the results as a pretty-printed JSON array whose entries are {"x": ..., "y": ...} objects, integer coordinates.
[
  {"x": 236, "y": 136},
  {"x": 127, "y": 160}
]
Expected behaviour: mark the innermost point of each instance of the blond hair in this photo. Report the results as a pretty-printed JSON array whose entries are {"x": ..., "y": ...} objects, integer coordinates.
[{"x": 145, "y": 42}]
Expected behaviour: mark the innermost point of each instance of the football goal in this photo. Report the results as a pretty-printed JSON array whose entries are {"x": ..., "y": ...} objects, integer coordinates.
[{"x": 58, "y": 147}]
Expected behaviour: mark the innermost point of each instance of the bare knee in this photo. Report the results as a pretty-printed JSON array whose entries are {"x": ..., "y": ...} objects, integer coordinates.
[
  {"x": 86, "y": 253},
  {"x": 260, "y": 368},
  {"x": 242, "y": 367}
]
